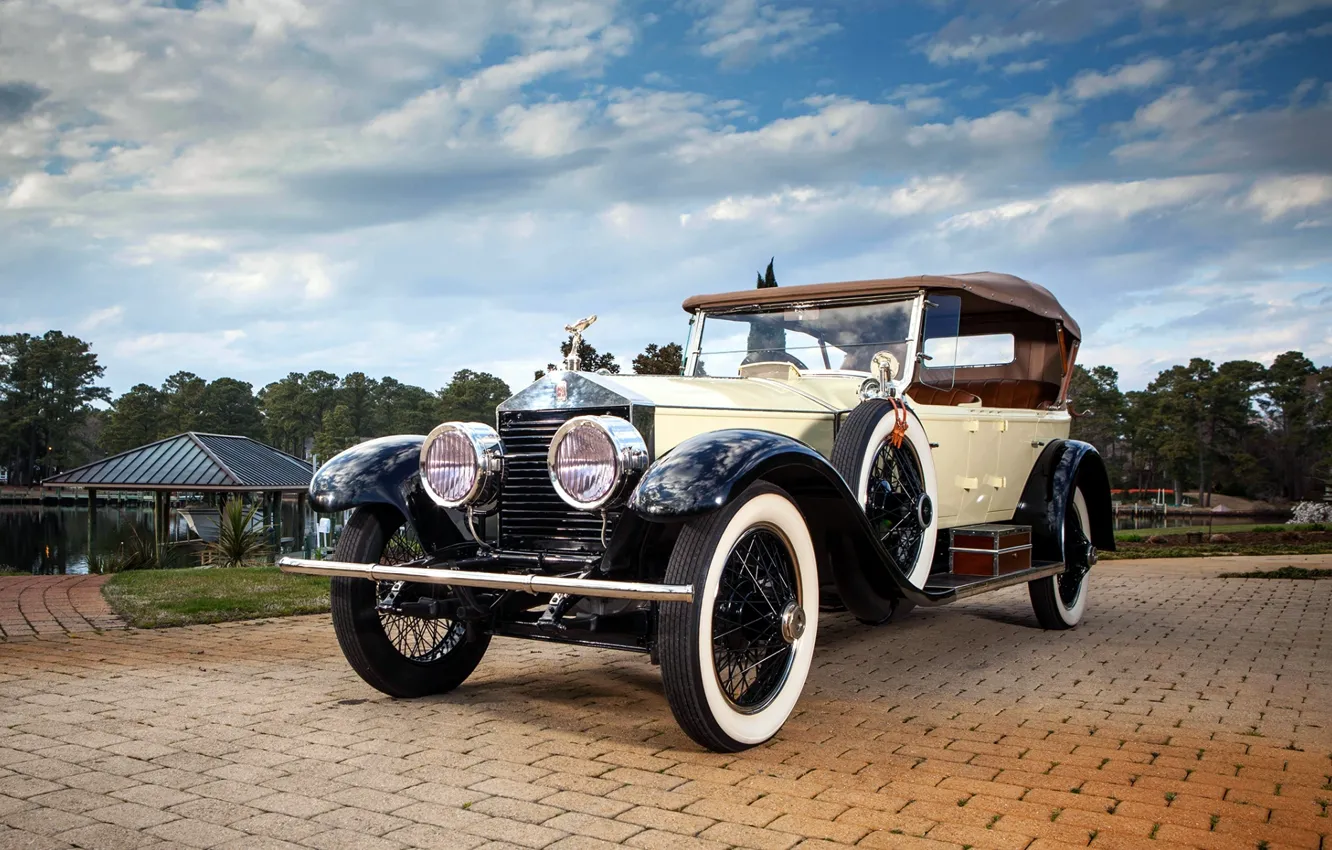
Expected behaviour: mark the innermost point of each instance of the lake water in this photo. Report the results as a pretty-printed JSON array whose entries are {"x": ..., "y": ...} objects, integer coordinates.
[
  {"x": 40, "y": 539},
  {"x": 54, "y": 540}
]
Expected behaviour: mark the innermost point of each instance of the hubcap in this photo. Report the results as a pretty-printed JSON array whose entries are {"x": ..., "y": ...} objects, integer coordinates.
[
  {"x": 793, "y": 622},
  {"x": 924, "y": 510}
]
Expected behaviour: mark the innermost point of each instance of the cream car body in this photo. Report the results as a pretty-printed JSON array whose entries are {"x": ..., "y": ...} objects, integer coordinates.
[{"x": 858, "y": 446}]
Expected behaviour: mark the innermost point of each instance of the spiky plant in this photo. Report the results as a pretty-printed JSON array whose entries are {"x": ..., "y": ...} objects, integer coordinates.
[{"x": 237, "y": 542}]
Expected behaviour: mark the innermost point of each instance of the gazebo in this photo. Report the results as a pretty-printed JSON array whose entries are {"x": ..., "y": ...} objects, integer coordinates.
[{"x": 195, "y": 463}]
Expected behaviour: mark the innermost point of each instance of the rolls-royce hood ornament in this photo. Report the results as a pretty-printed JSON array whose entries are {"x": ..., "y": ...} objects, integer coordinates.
[{"x": 572, "y": 361}]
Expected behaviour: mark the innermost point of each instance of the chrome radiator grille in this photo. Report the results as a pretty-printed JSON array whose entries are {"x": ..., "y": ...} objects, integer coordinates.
[{"x": 532, "y": 517}]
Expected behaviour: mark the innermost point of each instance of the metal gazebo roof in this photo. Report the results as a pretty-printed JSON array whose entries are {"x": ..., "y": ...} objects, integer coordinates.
[{"x": 193, "y": 461}]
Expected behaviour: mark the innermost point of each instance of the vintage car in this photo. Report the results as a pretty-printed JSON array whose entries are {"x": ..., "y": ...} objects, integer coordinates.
[{"x": 867, "y": 446}]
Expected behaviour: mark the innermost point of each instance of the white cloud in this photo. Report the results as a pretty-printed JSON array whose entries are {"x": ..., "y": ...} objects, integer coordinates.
[
  {"x": 99, "y": 318},
  {"x": 544, "y": 130},
  {"x": 36, "y": 189},
  {"x": 743, "y": 32},
  {"x": 1092, "y": 84},
  {"x": 1276, "y": 197},
  {"x": 980, "y": 48},
  {"x": 272, "y": 275},
  {"x": 1013, "y": 68},
  {"x": 1096, "y": 201},
  {"x": 460, "y": 161},
  {"x": 112, "y": 57}
]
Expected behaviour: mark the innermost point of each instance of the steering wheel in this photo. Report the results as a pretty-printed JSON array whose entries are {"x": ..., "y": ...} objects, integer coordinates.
[{"x": 770, "y": 356}]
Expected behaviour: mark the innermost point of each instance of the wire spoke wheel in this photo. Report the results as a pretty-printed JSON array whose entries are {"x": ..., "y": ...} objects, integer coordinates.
[
  {"x": 418, "y": 639},
  {"x": 893, "y": 501},
  {"x": 757, "y": 590}
]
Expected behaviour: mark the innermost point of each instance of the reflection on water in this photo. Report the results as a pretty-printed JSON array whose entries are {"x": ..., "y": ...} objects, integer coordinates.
[
  {"x": 41, "y": 539},
  {"x": 1127, "y": 521}
]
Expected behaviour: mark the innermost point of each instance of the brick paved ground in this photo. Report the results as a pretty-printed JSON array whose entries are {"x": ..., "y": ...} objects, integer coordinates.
[
  {"x": 1185, "y": 711},
  {"x": 43, "y": 606}
]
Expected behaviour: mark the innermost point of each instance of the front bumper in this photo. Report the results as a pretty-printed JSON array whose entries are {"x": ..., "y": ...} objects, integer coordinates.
[{"x": 494, "y": 581}]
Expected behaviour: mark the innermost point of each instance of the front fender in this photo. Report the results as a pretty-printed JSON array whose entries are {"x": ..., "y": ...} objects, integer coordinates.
[
  {"x": 1062, "y": 466},
  {"x": 384, "y": 472},
  {"x": 705, "y": 472}
]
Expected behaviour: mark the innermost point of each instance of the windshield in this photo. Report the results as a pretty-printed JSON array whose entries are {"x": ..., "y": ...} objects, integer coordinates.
[{"x": 810, "y": 337}]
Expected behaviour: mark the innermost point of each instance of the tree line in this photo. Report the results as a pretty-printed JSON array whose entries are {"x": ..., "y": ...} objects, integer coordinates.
[
  {"x": 49, "y": 383},
  {"x": 1239, "y": 428}
]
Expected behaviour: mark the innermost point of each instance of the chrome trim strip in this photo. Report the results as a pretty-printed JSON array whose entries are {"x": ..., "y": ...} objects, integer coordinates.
[
  {"x": 1008, "y": 580},
  {"x": 495, "y": 581},
  {"x": 991, "y": 551}
]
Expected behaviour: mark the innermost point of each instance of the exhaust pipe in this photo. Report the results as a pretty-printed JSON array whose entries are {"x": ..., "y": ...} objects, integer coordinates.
[{"x": 493, "y": 581}]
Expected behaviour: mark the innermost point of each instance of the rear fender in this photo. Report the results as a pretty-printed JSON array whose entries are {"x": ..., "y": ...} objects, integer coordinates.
[
  {"x": 384, "y": 472},
  {"x": 1064, "y": 465},
  {"x": 708, "y": 471}
]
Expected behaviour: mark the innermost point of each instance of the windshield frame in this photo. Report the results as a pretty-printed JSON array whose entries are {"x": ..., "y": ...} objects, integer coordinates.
[{"x": 906, "y": 371}]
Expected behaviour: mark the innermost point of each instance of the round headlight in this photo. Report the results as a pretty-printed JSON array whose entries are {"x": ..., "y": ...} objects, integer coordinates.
[
  {"x": 462, "y": 463},
  {"x": 595, "y": 459}
]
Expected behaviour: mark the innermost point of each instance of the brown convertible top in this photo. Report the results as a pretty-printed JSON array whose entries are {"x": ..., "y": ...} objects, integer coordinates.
[{"x": 997, "y": 291}]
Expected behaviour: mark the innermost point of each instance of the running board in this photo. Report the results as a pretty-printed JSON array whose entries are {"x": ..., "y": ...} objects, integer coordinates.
[
  {"x": 494, "y": 581},
  {"x": 964, "y": 586}
]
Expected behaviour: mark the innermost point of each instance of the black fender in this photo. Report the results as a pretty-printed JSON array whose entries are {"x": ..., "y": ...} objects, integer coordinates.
[
  {"x": 384, "y": 472},
  {"x": 707, "y": 471},
  {"x": 1063, "y": 465}
]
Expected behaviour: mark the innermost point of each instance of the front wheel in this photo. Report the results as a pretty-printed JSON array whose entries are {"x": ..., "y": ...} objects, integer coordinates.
[
  {"x": 403, "y": 655},
  {"x": 1059, "y": 601},
  {"x": 735, "y": 659}
]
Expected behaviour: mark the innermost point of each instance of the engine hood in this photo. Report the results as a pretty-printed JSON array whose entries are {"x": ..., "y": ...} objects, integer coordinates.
[{"x": 574, "y": 390}]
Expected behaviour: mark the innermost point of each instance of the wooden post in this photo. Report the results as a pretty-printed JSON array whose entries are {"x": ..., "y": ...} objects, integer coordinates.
[
  {"x": 301, "y": 524},
  {"x": 92, "y": 522},
  {"x": 159, "y": 520}
]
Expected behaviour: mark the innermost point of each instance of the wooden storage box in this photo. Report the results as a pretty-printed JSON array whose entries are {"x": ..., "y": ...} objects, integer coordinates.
[{"x": 989, "y": 550}]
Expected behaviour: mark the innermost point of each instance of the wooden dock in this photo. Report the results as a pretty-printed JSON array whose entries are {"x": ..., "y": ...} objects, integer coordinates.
[{"x": 69, "y": 496}]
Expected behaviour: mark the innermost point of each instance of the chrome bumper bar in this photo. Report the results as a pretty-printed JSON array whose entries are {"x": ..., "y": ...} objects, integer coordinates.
[{"x": 494, "y": 581}]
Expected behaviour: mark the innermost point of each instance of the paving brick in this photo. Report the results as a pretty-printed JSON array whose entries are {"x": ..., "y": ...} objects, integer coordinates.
[
  {"x": 559, "y": 747},
  {"x": 740, "y": 835},
  {"x": 131, "y": 815},
  {"x": 668, "y": 821},
  {"x": 194, "y": 833}
]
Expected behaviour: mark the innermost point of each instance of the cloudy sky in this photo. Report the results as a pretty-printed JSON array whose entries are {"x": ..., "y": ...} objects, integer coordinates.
[{"x": 254, "y": 187}]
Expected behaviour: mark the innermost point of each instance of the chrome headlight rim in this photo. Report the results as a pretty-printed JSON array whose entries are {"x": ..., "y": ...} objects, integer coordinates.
[
  {"x": 629, "y": 458},
  {"x": 488, "y": 469}
]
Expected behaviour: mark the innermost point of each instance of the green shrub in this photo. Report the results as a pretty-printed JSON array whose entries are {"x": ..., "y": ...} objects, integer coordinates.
[
  {"x": 237, "y": 542},
  {"x": 136, "y": 553}
]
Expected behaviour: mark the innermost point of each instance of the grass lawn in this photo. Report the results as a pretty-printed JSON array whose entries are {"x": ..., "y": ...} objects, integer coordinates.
[{"x": 155, "y": 598}]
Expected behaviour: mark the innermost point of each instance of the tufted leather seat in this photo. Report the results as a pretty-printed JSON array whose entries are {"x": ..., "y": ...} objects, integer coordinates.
[
  {"x": 1000, "y": 392},
  {"x": 926, "y": 394}
]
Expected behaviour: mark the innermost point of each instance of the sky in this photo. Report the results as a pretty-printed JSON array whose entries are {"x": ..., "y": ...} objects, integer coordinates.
[{"x": 254, "y": 187}]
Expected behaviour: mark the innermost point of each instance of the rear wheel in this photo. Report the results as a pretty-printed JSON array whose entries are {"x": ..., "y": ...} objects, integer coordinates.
[
  {"x": 735, "y": 659},
  {"x": 400, "y": 654},
  {"x": 1059, "y": 601}
]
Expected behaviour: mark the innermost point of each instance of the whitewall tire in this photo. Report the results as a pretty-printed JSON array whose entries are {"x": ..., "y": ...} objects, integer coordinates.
[
  {"x": 1059, "y": 601},
  {"x": 734, "y": 660},
  {"x": 862, "y": 453}
]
